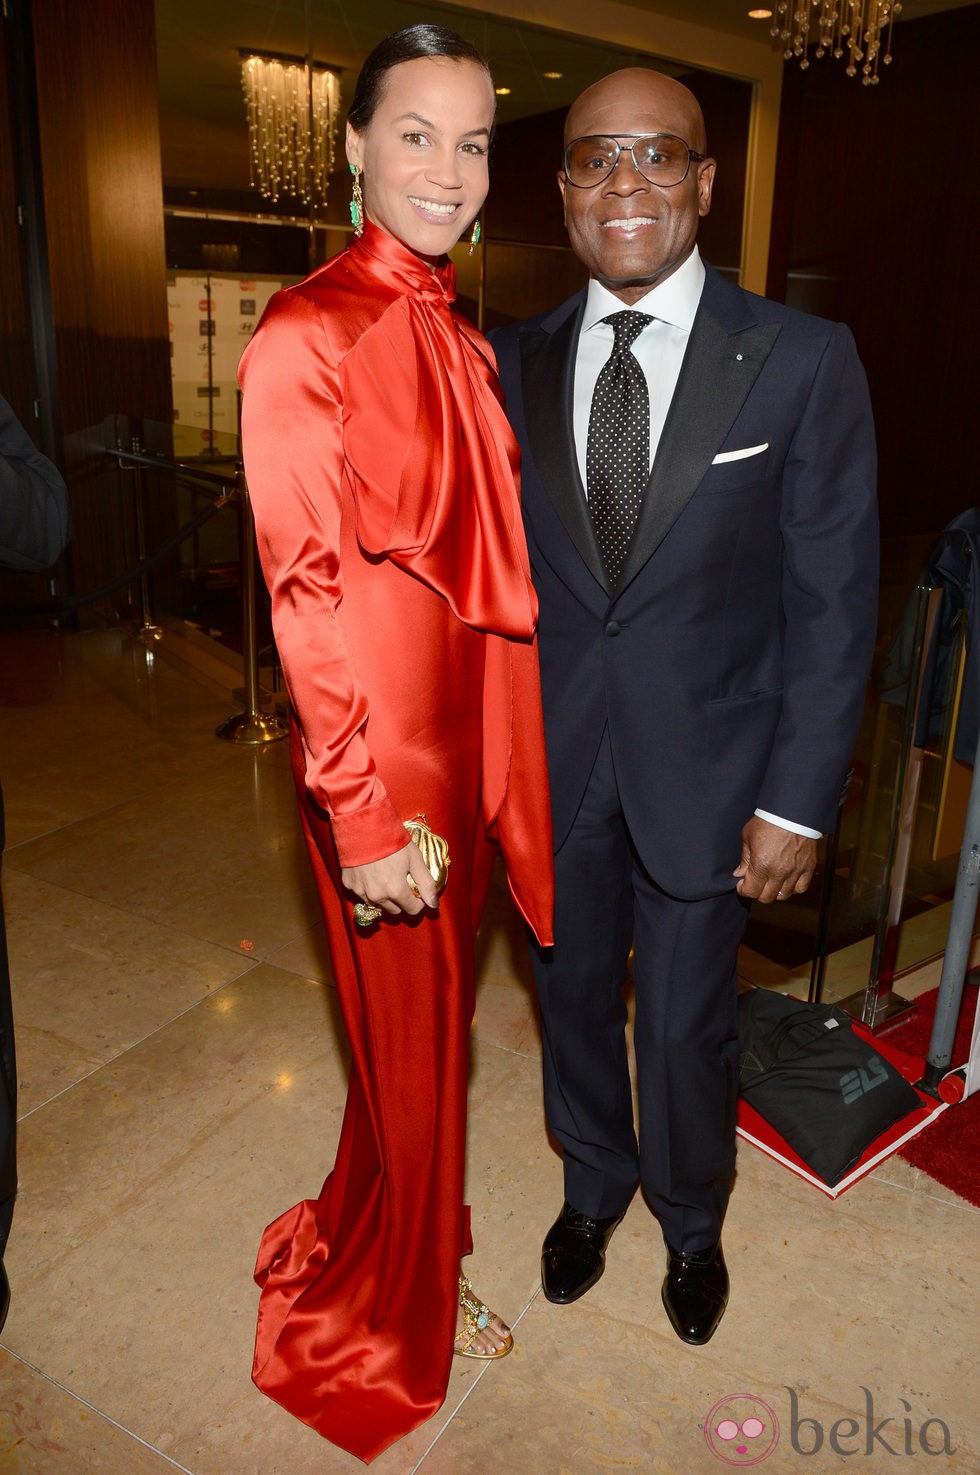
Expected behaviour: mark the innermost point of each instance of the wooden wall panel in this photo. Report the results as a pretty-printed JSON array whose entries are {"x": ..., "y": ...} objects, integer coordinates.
[
  {"x": 876, "y": 221},
  {"x": 16, "y": 373},
  {"x": 103, "y": 197},
  {"x": 726, "y": 103},
  {"x": 18, "y": 383}
]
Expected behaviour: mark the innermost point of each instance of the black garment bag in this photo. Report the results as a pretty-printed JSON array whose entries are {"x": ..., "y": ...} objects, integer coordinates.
[{"x": 825, "y": 1088}]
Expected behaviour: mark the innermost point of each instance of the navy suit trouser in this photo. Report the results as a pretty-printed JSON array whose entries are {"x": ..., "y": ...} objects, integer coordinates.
[{"x": 685, "y": 1031}]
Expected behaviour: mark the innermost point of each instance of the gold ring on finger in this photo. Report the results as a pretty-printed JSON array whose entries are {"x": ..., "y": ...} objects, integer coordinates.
[{"x": 365, "y": 914}]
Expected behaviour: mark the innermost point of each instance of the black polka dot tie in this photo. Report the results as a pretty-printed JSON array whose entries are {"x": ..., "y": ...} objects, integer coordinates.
[{"x": 617, "y": 454}]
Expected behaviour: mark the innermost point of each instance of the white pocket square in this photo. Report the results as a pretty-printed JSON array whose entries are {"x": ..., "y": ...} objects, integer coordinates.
[{"x": 739, "y": 455}]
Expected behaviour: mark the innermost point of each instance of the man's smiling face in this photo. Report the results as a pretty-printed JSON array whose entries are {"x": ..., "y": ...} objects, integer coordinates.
[{"x": 632, "y": 234}]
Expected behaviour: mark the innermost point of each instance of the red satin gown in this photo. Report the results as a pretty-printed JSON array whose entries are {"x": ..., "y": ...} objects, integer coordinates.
[{"x": 382, "y": 473}]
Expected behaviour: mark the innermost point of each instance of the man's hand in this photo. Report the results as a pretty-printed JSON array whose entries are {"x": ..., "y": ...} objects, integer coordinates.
[{"x": 776, "y": 863}]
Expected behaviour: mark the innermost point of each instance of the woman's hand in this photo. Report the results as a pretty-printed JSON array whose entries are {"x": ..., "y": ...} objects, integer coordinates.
[{"x": 384, "y": 883}]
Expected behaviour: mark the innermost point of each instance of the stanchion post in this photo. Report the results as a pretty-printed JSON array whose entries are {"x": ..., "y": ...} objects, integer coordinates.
[
  {"x": 878, "y": 1004},
  {"x": 881, "y": 1003},
  {"x": 253, "y": 726},
  {"x": 818, "y": 966},
  {"x": 959, "y": 940},
  {"x": 148, "y": 632}
]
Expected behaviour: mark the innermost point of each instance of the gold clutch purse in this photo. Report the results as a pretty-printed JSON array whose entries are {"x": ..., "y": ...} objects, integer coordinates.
[{"x": 435, "y": 853}]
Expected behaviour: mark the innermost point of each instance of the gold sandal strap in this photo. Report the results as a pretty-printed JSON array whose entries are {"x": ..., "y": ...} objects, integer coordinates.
[{"x": 476, "y": 1315}]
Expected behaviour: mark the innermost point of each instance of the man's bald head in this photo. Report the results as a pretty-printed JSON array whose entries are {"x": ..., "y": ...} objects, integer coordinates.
[{"x": 603, "y": 107}]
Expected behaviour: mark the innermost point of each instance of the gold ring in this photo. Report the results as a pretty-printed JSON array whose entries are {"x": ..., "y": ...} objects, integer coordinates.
[
  {"x": 413, "y": 886},
  {"x": 365, "y": 915}
]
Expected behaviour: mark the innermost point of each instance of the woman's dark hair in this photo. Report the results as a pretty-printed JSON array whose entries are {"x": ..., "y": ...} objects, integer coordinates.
[{"x": 407, "y": 45}]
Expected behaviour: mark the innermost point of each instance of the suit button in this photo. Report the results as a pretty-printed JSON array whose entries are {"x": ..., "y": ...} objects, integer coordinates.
[{"x": 613, "y": 628}]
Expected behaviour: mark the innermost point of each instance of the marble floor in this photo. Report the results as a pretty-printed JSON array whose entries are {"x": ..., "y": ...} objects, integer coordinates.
[{"x": 182, "y": 1078}]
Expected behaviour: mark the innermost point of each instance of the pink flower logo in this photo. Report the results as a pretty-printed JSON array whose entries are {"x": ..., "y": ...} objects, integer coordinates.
[{"x": 741, "y": 1430}]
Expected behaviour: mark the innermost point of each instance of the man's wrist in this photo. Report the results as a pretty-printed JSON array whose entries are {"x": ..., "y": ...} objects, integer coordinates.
[{"x": 789, "y": 824}]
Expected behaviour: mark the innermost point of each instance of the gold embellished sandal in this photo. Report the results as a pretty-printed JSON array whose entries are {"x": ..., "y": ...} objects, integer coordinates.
[{"x": 476, "y": 1319}]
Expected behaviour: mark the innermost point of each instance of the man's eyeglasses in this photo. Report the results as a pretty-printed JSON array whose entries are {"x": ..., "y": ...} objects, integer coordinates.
[{"x": 659, "y": 157}]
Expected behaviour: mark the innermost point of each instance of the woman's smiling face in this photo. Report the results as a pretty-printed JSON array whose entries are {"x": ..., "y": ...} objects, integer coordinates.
[{"x": 424, "y": 152}]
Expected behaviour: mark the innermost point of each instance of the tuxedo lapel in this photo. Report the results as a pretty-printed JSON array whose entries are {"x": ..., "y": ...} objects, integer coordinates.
[
  {"x": 548, "y": 379},
  {"x": 725, "y": 354}
]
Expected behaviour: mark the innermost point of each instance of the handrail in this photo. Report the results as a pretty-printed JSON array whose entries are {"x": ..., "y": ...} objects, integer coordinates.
[
  {"x": 186, "y": 469},
  {"x": 136, "y": 460},
  {"x": 252, "y": 726},
  {"x": 70, "y": 602}
]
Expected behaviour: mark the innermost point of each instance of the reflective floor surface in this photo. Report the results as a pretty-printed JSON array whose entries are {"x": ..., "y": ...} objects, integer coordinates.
[{"x": 182, "y": 1075}]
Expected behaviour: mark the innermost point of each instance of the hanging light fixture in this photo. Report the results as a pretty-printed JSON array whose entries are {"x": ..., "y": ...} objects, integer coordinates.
[
  {"x": 292, "y": 112},
  {"x": 860, "y": 31}
]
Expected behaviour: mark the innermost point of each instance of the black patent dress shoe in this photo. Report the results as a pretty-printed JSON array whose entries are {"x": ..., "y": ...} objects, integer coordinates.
[
  {"x": 573, "y": 1255},
  {"x": 4, "y": 1295},
  {"x": 695, "y": 1293}
]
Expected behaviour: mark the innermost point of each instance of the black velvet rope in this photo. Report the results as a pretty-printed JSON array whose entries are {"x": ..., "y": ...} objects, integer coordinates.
[{"x": 64, "y": 606}]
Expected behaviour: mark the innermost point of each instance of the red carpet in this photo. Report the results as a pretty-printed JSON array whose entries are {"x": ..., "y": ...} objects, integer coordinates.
[{"x": 949, "y": 1148}]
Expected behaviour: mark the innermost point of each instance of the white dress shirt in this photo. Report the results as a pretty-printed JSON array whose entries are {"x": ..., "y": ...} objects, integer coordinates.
[{"x": 659, "y": 348}]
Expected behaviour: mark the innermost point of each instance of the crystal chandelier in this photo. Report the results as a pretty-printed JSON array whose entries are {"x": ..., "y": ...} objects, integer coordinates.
[
  {"x": 292, "y": 129},
  {"x": 860, "y": 30}
]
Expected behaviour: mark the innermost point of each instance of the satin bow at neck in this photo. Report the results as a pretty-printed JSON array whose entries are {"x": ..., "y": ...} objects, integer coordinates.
[
  {"x": 434, "y": 461},
  {"x": 393, "y": 263}
]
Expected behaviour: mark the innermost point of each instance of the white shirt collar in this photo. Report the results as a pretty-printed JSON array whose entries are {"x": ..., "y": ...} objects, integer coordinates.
[{"x": 674, "y": 300}]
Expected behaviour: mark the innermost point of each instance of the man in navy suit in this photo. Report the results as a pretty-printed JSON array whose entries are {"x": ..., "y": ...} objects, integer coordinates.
[
  {"x": 34, "y": 523},
  {"x": 705, "y": 632}
]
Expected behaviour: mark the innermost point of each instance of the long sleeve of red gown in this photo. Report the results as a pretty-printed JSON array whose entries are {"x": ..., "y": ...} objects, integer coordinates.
[
  {"x": 376, "y": 446},
  {"x": 292, "y": 427}
]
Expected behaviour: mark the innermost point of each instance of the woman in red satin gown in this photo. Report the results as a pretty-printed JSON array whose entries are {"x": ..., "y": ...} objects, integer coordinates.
[{"x": 382, "y": 473}]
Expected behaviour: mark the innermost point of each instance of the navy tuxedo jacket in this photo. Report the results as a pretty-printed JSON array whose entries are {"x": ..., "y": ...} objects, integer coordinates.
[{"x": 730, "y": 661}]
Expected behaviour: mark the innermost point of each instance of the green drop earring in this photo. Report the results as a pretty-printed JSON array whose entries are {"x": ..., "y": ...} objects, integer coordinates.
[
  {"x": 474, "y": 236},
  {"x": 357, "y": 203}
]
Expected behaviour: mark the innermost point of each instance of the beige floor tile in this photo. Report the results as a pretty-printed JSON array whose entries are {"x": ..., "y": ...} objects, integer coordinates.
[
  {"x": 502, "y": 942},
  {"x": 308, "y": 955},
  {"x": 586, "y": 1392},
  {"x": 875, "y": 1288},
  {"x": 506, "y": 1002},
  {"x": 45, "y": 1431},
  {"x": 251, "y": 1082},
  {"x": 219, "y": 857},
  {"x": 826, "y": 1295},
  {"x": 513, "y": 1178},
  {"x": 578, "y": 1394},
  {"x": 76, "y": 749},
  {"x": 89, "y": 980},
  {"x": 506, "y": 1014},
  {"x": 144, "y": 1193},
  {"x": 901, "y": 1174}
]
